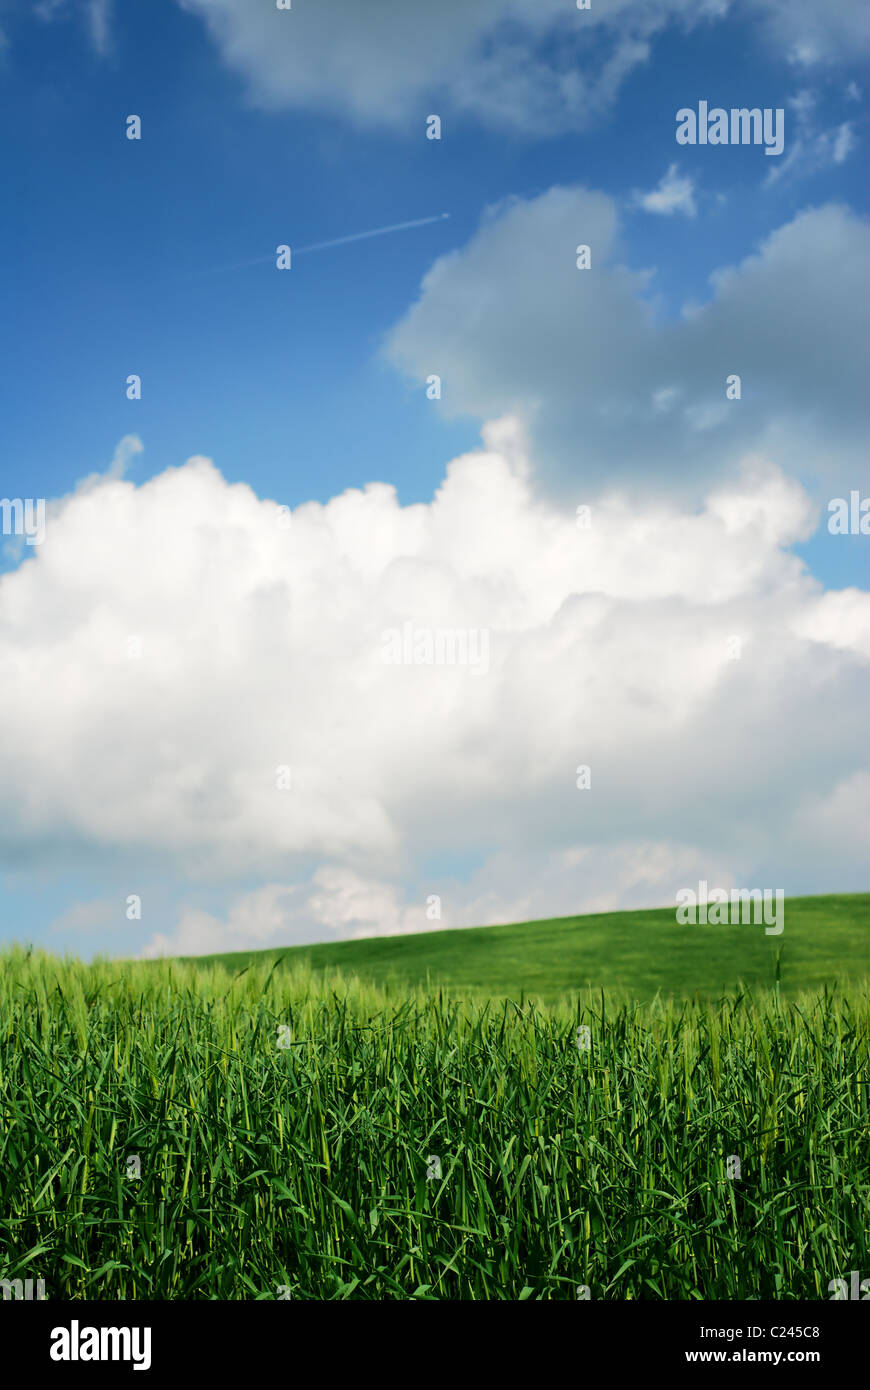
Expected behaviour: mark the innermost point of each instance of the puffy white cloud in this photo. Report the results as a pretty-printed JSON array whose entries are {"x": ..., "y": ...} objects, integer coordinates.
[
  {"x": 839, "y": 618},
  {"x": 504, "y": 61},
  {"x": 172, "y": 645},
  {"x": 542, "y": 67},
  {"x": 125, "y": 451},
  {"x": 675, "y": 193},
  {"x": 335, "y": 899},
  {"x": 610, "y": 387},
  {"x": 835, "y": 826},
  {"x": 509, "y": 887}
]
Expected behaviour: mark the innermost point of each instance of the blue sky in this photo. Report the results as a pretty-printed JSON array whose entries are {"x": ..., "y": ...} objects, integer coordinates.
[{"x": 118, "y": 256}]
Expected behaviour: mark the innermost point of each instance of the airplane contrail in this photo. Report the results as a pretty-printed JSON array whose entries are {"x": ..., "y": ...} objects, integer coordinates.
[
  {"x": 335, "y": 241},
  {"x": 378, "y": 231}
]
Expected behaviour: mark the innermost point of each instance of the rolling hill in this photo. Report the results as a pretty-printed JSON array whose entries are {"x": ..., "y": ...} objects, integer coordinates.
[{"x": 826, "y": 940}]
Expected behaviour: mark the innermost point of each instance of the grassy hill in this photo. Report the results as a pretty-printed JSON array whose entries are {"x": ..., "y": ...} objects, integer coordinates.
[{"x": 826, "y": 940}]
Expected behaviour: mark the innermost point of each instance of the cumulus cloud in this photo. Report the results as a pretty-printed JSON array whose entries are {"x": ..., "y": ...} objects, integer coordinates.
[
  {"x": 334, "y": 900},
  {"x": 611, "y": 387},
  {"x": 543, "y": 68},
  {"x": 508, "y": 887},
  {"x": 125, "y": 451},
  {"x": 675, "y": 193},
  {"x": 226, "y": 709},
  {"x": 504, "y": 61}
]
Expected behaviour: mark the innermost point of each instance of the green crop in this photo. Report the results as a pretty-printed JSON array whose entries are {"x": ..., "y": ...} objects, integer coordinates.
[{"x": 156, "y": 1141}]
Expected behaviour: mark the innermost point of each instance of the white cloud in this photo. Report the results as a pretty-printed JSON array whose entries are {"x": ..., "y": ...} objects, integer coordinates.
[
  {"x": 675, "y": 193},
  {"x": 543, "y": 68},
  {"x": 514, "y": 887},
  {"x": 99, "y": 914},
  {"x": 503, "y": 61},
  {"x": 844, "y": 142},
  {"x": 95, "y": 14},
  {"x": 335, "y": 900},
  {"x": 261, "y": 647},
  {"x": 810, "y": 150},
  {"x": 125, "y": 451},
  {"x": 809, "y": 34},
  {"x": 99, "y": 15},
  {"x": 584, "y": 356}
]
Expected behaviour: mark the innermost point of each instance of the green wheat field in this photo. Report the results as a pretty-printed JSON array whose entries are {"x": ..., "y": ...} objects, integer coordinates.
[{"x": 272, "y": 1126}]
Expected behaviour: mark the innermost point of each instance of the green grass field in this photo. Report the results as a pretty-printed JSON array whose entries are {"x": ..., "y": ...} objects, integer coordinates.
[
  {"x": 174, "y": 1130},
  {"x": 637, "y": 954}
]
